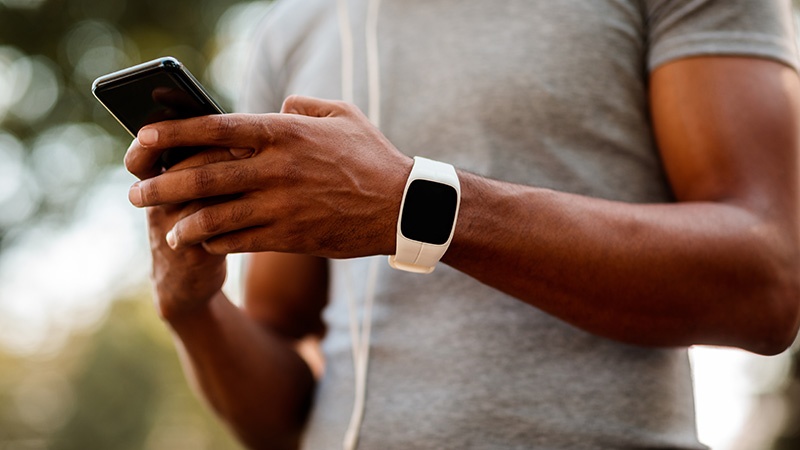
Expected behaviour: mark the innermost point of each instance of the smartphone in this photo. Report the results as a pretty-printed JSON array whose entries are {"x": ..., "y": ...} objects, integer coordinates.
[{"x": 161, "y": 89}]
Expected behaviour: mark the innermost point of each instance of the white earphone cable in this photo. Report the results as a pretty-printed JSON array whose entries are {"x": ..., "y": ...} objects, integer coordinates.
[
  {"x": 346, "y": 37},
  {"x": 360, "y": 332},
  {"x": 373, "y": 64},
  {"x": 360, "y": 345}
]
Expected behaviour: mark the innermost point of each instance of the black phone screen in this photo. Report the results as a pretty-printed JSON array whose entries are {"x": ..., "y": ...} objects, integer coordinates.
[
  {"x": 151, "y": 92},
  {"x": 152, "y": 97}
]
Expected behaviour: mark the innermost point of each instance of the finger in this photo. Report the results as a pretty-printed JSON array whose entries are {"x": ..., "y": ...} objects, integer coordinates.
[
  {"x": 212, "y": 180},
  {"x": 240, "y": 241},
  {"x": 214, "y": 220},
  {"x": 248, "y": 131},
  {"x": 142, "y": 162},
  {"x": 315, "y": 107},
  {"x": 211, "y": 156},
  {"x": 147, "y": 164},
  {"x": 163, "y": 218}
]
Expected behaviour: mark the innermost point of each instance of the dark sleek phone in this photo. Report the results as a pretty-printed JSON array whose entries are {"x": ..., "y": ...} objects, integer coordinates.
[{"x": 161, "y": 89}]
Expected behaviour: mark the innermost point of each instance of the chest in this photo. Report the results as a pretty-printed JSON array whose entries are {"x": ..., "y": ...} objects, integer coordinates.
[{"x": 534, "y": 92}]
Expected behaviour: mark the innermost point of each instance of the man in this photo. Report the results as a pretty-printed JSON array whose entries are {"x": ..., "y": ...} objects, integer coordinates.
[{"x": 628, "y": 188}]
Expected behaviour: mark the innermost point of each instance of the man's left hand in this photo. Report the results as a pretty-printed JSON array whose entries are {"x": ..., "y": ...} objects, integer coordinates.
[{"x": 320, "y": 179}]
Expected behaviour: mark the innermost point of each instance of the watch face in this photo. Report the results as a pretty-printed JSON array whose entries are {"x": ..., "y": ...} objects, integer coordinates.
[{"x": 429, "y": 212}]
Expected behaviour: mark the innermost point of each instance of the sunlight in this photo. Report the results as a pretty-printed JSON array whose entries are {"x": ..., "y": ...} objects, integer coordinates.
[
  {"x": 726, "y": 383},
  {"x": 63, "y": 278}
]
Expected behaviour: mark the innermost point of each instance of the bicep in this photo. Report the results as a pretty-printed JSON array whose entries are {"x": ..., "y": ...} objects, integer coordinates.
[
  {"x": 287, "y": 293},
  {"x": 727, "y": 130}
]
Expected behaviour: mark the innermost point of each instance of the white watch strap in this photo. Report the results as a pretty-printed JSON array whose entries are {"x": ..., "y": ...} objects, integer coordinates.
[{"x": 415, "y": 256}]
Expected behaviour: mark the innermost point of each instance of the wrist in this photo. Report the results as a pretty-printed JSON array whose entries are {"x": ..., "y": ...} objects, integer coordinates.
[
  {"x": 184, "y": 281},
  {"x": 395, "y": 186},
  {"x": 173, "y": 310}
]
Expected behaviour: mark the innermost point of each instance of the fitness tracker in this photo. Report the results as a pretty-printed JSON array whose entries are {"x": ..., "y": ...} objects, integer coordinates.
[{"x": 428, "y": 215}]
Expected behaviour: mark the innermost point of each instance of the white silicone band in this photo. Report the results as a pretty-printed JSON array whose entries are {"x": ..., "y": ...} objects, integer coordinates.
[{"x": 415, "y": 256}]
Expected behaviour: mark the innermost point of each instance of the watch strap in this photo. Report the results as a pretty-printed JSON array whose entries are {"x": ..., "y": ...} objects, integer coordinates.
[{"x": 421, "y": 257}]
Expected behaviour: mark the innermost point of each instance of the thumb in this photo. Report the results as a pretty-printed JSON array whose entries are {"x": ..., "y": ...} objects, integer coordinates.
[{"x": 314, "y": 107}]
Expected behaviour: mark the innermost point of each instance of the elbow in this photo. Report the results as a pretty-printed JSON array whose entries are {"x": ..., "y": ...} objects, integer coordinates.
[
  {"x": 779, "y": 313},
  {"x": 779, "y": 340},
  {"x": 783, "y": 332}
]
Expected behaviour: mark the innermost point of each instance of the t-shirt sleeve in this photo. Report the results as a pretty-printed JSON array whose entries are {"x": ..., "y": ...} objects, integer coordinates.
[{"x": 685, "y": 28}]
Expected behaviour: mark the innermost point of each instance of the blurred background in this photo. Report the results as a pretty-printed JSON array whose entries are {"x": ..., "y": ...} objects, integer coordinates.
[{"x": 84, "y": 361}]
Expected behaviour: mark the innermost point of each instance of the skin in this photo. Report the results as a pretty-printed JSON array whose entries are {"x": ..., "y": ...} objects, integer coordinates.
[{"x": 720, "y": 266}]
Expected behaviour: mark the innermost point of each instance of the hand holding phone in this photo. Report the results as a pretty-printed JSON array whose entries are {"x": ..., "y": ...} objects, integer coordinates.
[{"x": 161, "y": 89}]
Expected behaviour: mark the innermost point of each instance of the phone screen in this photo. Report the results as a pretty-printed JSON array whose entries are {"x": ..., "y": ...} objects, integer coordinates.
[
  {"x": 152, "y": 98},
  {"x": 158, "y": 90}
]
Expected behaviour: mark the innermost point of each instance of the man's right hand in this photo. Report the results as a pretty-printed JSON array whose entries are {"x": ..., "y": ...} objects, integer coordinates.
[
  {"x": 183, "y": 279},
  {"x": 254, "y": 365},
  {"x": 189, "y": 277}
]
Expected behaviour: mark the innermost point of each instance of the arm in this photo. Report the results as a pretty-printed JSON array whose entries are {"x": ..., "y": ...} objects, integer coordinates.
[
  {"x": 720, "y": 266},
  {"x": 255, "y": 366}
]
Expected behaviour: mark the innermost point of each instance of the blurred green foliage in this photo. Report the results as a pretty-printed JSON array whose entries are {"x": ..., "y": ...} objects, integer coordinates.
[
  {"x": 117, "y": 387},
  {"x": 50, "y": 51}
]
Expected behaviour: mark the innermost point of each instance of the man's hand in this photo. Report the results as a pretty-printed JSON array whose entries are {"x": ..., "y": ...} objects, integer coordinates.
[
  {"x": 263, "y": 388},
  {"x": 190, "y": 276},
  {"x": 317, "y": 179}
]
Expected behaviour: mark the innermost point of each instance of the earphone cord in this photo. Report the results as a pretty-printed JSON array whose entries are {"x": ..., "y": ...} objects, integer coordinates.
[{"x": 360, "y": 332}]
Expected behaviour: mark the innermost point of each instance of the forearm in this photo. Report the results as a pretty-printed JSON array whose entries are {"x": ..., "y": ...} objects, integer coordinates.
[
  {"x": 669, "y": 274},
  {"x": 718, "y": 267},
  {"x": 251, "y": 376}
]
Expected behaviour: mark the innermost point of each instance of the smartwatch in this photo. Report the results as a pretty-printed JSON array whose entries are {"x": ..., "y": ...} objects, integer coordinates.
[{"x": 428, "y": 215}]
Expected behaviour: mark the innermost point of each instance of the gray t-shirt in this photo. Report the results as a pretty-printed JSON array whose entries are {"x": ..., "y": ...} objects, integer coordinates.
[{"x": 544, "y": 93}]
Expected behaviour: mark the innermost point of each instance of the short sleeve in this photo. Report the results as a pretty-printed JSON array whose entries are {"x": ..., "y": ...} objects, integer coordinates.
[{"x": 685, "y": 28}]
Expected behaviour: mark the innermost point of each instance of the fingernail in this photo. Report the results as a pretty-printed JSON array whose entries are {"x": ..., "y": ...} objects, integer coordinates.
[
  {"x": 171, "y": 241},
  {"x": 241, "y": 152},
  {"x": 147, "y": 136},
  {"x": 135, "y": 195}
]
